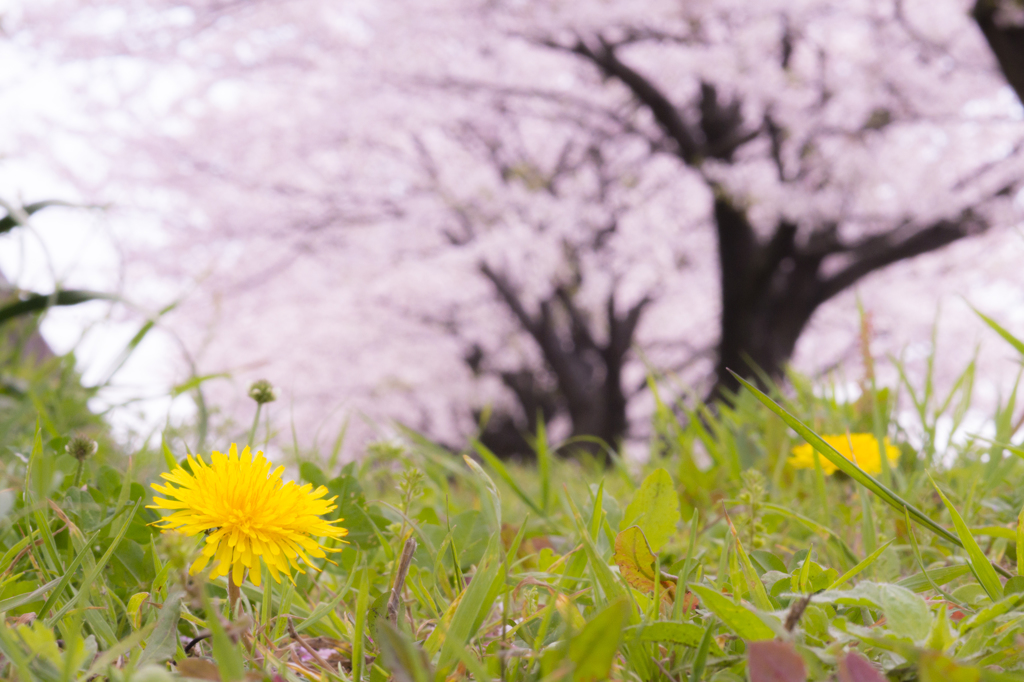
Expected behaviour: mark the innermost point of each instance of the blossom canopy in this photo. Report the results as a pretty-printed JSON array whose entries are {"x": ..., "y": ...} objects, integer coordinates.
[
  {"x": 860, "y": 448},
  {"x": 247, "y": 513}
]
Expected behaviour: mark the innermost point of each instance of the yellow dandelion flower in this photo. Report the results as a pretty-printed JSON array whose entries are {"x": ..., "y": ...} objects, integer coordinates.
[
  {"x": 247, "y": 513},
  {"x": 864, "y": 453}
]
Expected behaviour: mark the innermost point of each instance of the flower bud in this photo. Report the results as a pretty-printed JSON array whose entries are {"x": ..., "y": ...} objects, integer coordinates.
[
  {"x": 262, "y": 392},
  {"x": 81, "y": 448}
]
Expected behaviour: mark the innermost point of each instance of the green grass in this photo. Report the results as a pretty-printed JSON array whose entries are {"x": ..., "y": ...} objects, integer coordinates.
[{"x": 713, "y": 560}]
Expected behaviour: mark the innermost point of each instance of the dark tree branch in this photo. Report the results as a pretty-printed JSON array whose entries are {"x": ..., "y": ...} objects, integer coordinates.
[
  {"x": 776, "y": 135},
  {"x": 622, "y": 329},
  {"x": 669, "y": 118},
  {"x": 879, "y": 251},
  {"x": 511, "y": 298},
  {"x": 581, "y": 336}
]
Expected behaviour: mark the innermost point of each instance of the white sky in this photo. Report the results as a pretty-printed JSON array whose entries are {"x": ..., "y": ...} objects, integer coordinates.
[{"x": 77, "y": 248}]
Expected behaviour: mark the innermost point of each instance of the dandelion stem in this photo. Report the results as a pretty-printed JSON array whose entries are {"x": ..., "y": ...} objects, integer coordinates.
[
  {"x": 234, "y": 592},
  {"x": 255, "y": 424}
]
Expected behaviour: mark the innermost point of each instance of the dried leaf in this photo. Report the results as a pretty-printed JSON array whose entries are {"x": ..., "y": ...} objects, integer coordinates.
[{"x": 636, "y": 561}]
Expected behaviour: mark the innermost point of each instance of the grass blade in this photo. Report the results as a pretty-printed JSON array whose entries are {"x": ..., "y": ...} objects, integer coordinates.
[
  {"x": 19, "y": 599},
  {"x": 1002, "y": 331},
  {"x": 979, "y": 563},
  {"x": 503, "y": 472},
  {"x": 69, "y": 573},
  {"x": 851, "y": 469},
  {"x": 700, "y": 660},
  {"x": 98, "y": 568},
  {"x": 760, "y": 595},
  {"x": 852, "y": 573}
]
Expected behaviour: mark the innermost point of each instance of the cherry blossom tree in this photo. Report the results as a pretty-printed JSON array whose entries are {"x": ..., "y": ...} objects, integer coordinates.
[{"x": 528, "y": 206}]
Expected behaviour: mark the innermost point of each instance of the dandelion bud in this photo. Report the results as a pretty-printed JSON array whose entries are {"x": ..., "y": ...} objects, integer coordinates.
[
  {"x": 81, "y": 448},
  {"x": 262, "y": 392}
]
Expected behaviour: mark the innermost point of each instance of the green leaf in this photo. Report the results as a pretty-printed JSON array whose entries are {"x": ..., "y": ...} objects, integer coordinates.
[
  {"x": 942, "y": 635},
  {"x": 767, "y": 561},
  {"x": 906, "y": 614},
  {"x": 593, "y": 649},
  {"x": 35, "y": 303},
  {"x": 991, "y": 612},
  {"x": 610, "y": 585},
  {"x": 359, "y": 631},
  {"x": 933, "y": 666},
  {"x": 687, "y": 634},
  {"x": 108, "y": 657},
  {"x": 162, "y": 644},
  {"x": 655, "y": 509},
  {"x": 135, "y": 609},
  {"x": 736, "y": 617},
  {"x": 488, "y": 490},
  {"x": 980, "y": 565},
  {"x": 1020, "y": 543}
]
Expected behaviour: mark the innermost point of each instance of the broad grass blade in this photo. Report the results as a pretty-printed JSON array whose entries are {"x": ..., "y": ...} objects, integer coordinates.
[
  {"x": 736, "y": 617},
  {"x": 164, "y": 641},
  {"x": 593, "y": 649},
  {"x": 475, "y": 601},
  {"x": 940, "y": 576},
  {"x": 980, "y": 564}
]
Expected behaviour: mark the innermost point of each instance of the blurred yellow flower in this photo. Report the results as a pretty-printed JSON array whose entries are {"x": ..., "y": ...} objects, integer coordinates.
[
  {"x": 864, "y": 453},
  {"x": 247, "y": 513}
]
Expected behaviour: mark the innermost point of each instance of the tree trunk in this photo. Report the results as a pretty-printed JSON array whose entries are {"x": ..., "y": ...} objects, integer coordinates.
[
  {"x": 587, "y": 372},
  {"x": 1006, "y": 40},
  {"x": 770, "y": 290}
]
